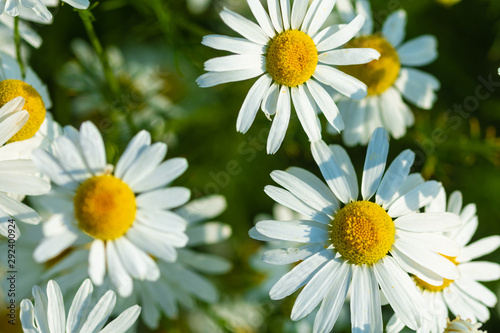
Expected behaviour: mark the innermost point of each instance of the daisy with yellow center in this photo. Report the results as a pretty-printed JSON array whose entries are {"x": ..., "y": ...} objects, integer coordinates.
[
  {"x": 459, "y": 325},
  {"x": 121, "y": 218},
  {"x": 389, "y": 78},
  {"x": 368, "y": 244},
  {"x": 465, "y": 296},
  {"x": 292, "y": 59}
]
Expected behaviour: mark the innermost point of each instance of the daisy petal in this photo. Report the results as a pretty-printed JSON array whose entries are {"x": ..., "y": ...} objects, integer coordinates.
[
  {"x": 365, "y": 301},
  {"x": 348, "y": 56},
  {"x": 300, "y": 274},
  {"x": 333, "y": 301},
  {"x": 376, "y": 157},
  {"x": 305, "y": 108},
  {"x": 418, "y": 51},
  {"x": 155, "y": 245},
  {"x": 344, "y": 162},
  {"x": 55, "y": 311},
  {"x": 252, "y": 103},
  {"x": 428, "y": 222},
  {"x": 302, "y": 231},
  {"x": 323, "y": 10},
  {"x": 79, "y": 307},
  {"x": 477, "y": 291},
  {"x": 232, "y": 44},
  {"x": 299, "y": 8},
  {"x": 285, "y": 13},
  {"x": 326, "y": 104},
  {"x": 97, "y": 262},
  {"x": 235, "y": 62},
  {"x": 419, "y": 197},
  {"x": 117, "y": 273},
  {"x": 345, "y": 34},
  {"x": 27, "y": 317},
  {"x": 135, "y": 146},
  {"x": 394, "y": 176},
  {"x": 244, "y": 27},
  {"x": 211, "y": 79},
  {"x": 92, "y": 147},
  {"x": 291, "y": 255},
  {"x": 393, "y": 111},
  {"x": 275, "y": 14},
  {"x": 400, "y": 290},
  {"x": 418, "y": 87},
  {"x": 99, "y": 315},
  {"x": 331, "y": 171},
  {"x": 124, "y": 321},
  {"x": 479, "y": 248},
  {"x": 394, "y": 27},
  {"x": 281, "y": 120},
  {"x": 345, "y": 84},
  {"x": 315, "y": 290},
  {"x": 164, "y": 174},
  {"x": 138, "y": 264},
  {"x": 165, "y": 198},
  {"x": 262, "y": 18}
]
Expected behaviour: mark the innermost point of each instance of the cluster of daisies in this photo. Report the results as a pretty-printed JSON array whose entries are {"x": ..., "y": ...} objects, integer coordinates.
[{"x": 393, "y": 239}]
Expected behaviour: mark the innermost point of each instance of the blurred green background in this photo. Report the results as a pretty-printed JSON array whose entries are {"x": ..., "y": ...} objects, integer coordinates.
[{"x": 462, "y": 150}]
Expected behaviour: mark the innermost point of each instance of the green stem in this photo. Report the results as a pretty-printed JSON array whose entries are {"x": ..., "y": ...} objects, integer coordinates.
[
  {"x": 164, "y": 17},
  {"x": 87, "y": 20},
  {"x": 17, "y": 41}
]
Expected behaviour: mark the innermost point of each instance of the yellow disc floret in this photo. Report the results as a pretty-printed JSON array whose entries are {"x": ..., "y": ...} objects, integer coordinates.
[
  {"x": 378, "y": 75},
  {"x": 429, "y": 287},
  {"x": 105, "y": 207},
  {"x": 362, "y": 232},
  {"x": 291, "y": 58},
  {"x": 10, "y": 89}
]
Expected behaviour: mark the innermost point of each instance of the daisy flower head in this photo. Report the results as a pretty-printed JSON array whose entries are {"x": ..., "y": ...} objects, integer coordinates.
[
  {"x": 38, "y": 7},
  {"x": 465, "y": 296},
  {"x": 183, "y": 282},
  {"x": 389, "y": 79},
  {"x": 120, "y": 217},
  {"x": 292, "y": 58},
  {"x": 49, "y": 315},
  {"x": 364, "y": 245}
]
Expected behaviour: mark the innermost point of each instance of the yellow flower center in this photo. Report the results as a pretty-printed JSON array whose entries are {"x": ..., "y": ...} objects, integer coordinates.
[
  {"x": 429, "y": 287},
  {"x": 362, "y": 232},
  {"x": 291, "y": 58},
  {"x": 378, "y": 75},
  {"x": 10, "y": 89},
  {"x": 105, "y": 207}
]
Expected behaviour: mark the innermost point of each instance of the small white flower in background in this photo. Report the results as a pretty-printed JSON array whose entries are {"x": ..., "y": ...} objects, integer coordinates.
[
  {"x": 183, "y": 282},
  {"x": 37, "y": 7},
  {"x": 465, "y": 296},
  {"x": 49, "y": 315},
  {"x": 388, "y": 78},
  {"x": 18, "y": 176},
  {"x": 118, "y": 217},
  {"x": 347, "y": 240},
  {"x": 292, "y": 57},
  {"x": 460, "y": 325}
]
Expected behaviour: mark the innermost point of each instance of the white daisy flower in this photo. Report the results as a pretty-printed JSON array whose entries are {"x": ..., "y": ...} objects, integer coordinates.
[
  {"x": 389, "y": 78},
  {"x": 182, "y": 282},
  {"x": 292, "y": 57},
  {"x": 348, "y": 241},
  {"x": 465, "y": 296},
  {"x": 38, "y": 7},
  {"x": 18, "y": 176},
  {"x": 118, "y": 217},
  {"x": 48, "y": 314},
  {"x": 462, "y": 326}
]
